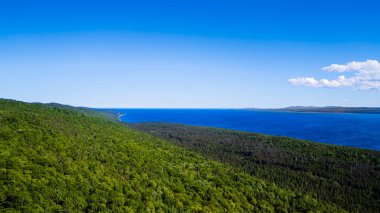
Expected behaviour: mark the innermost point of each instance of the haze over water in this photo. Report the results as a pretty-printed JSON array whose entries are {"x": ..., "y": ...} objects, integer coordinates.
[{"x": 356, "y": 130}]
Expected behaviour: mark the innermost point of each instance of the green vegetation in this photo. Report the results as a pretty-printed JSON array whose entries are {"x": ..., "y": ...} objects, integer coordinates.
[
  {"x": 105, "y": 114},
  {"x": 345, "y": 176},
  {"x": 54, "y": 159}
]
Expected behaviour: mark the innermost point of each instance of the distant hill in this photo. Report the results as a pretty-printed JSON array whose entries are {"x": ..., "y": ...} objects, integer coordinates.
[
  {"x": 56, "y": 158},
  {"x": 109, "y": 115},
  {"x": 331, "y": 109}
]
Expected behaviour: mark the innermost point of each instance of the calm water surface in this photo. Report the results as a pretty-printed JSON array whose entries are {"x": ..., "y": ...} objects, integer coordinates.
[{"x": 357, "y": 130}]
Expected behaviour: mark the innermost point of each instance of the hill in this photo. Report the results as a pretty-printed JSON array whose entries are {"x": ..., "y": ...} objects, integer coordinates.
[
  {"x": 348, "y": 177},
  {"x": 108, "y": 115},
  {"x": 331, "y": 109},
  {"x": 56, "y": 159}
]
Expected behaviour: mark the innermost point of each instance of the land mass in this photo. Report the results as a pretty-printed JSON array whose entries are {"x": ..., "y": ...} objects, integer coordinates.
[
  {"x": 346, "y": 176},
  {"x": 59, "y": 158},
  {"x": 56, "y": 158},
  {"x": 328, "y": 109}
]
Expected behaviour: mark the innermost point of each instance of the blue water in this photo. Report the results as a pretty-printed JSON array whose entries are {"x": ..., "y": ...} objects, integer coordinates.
[{"x": 356, "y": 130}]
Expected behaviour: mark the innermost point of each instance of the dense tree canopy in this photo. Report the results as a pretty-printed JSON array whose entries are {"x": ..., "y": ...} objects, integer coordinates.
[
  {"x": 348, "y": 177},
  {"x": 57, "y": 159}
]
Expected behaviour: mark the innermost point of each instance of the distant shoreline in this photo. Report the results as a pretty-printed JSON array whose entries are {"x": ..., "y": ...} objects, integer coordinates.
[{"x": 301, "y": 109}]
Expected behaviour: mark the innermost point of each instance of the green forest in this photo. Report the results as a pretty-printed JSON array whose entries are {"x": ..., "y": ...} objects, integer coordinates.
[
  {"x": 347, "y": 177},
  {"x": 56, "y": 158}
]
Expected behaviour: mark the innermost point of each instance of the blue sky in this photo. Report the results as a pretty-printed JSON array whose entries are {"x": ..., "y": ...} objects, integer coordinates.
[{"x": 194, "y": 54}]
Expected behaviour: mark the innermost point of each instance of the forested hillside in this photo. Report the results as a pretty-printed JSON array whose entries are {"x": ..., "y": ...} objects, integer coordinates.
[
  {"x": 53, "y": 159},
  {"x": 345, "y": 176}
]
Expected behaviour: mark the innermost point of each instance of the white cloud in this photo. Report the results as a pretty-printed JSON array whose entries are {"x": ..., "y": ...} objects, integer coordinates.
[{"x": 366, "y": 76}]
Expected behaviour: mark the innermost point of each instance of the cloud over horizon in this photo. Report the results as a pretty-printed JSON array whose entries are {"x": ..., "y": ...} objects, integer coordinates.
[{"x": 366, "y": 76}]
